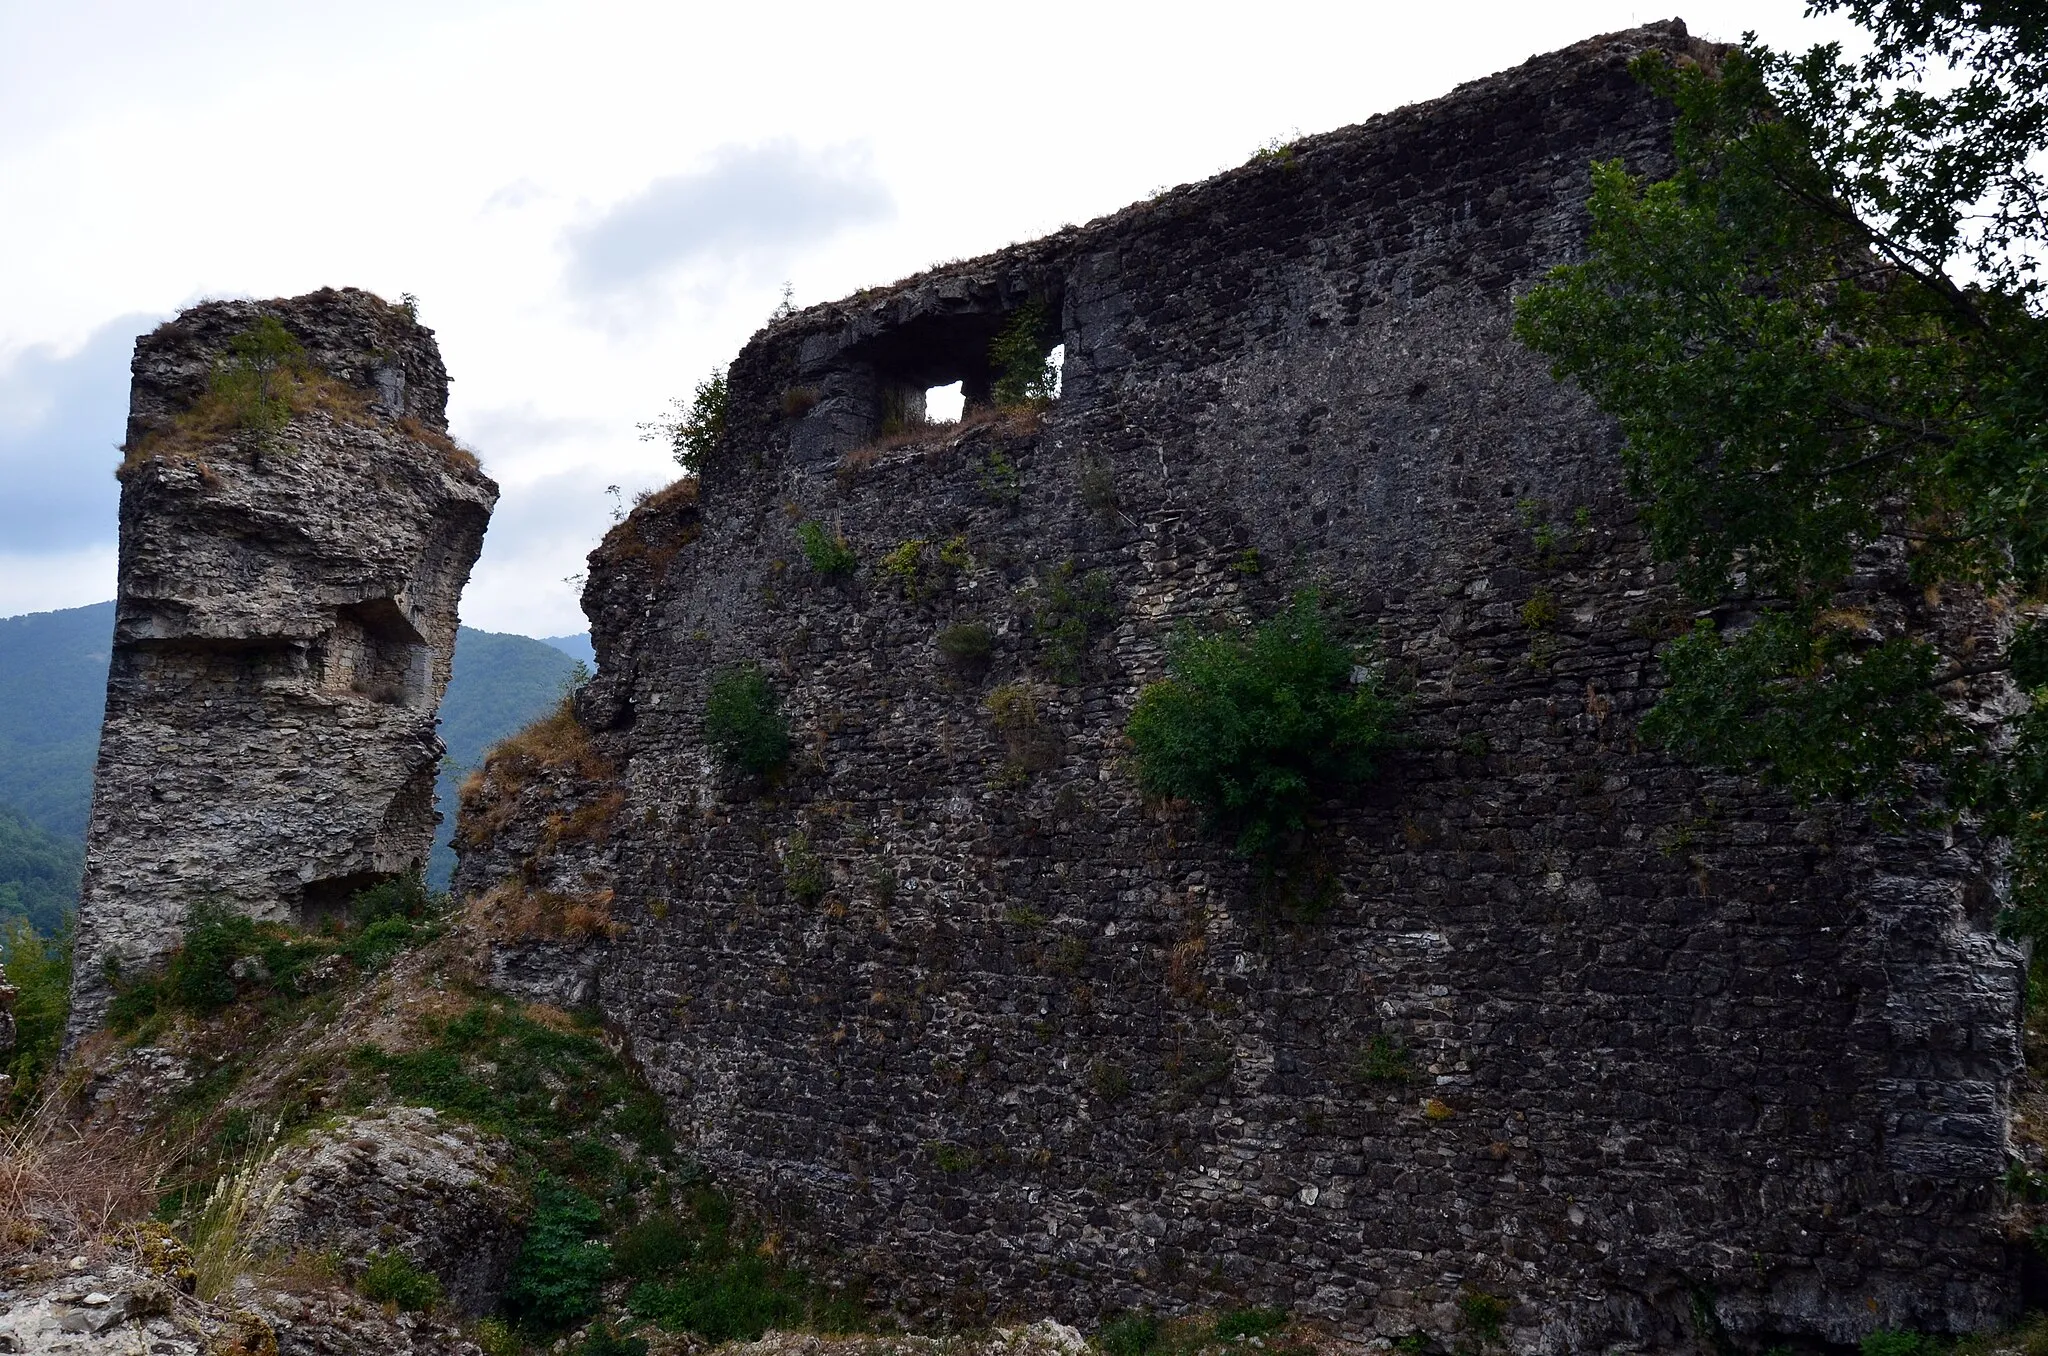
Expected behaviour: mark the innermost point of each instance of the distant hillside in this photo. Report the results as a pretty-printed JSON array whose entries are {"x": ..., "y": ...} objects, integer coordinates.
[
  {"x": 38, "y": 873},
  {"x": 53, "y": 681},
  {"x": 501, "y": 682},
  {"x": 53, "y": 684},
  {"x": 576, "y": 647}
]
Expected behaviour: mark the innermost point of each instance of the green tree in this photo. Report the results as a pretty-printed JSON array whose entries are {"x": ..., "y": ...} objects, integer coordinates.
[
  {"x": 692, "y": 429},
  {"x": 1823, "y": 338}
]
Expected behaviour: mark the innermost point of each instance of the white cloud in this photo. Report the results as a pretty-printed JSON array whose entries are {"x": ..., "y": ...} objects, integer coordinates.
[
  {"x": 529, "y": 166},
  {"x": 45, "y": 581},
  {"x": 748, "y": 208}
]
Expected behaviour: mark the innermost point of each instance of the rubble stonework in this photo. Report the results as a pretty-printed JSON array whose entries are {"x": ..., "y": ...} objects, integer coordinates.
[
  {"x": 1650, "y": 1054},
  {"x": 284, "y": 627}
]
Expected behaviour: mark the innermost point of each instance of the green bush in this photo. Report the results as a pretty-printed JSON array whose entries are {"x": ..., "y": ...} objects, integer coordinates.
[
  {"x": 1484, "y": 1314},
  {"x": 391, "y": 1278},
  {"x": 1257, "y": 729},
  {"x": 826, "y": 552},
  {"x": 653, "y": 1247},
  {"x": 1382, "y": 1061},
  {"x": 40, "y": 969},
  {"x": 735, "y": 1301},
  {"x": 1022, "y": 359},
  {"x": 743, "y": 722},
  {"x": 1133, "y": 1334},
  {"x": 200, "y": 975},
  {"x": 1069, "y": 610},
  {"x": 555, "y": 1282},
  {"x": 803, "y": 871},
  {"x": 1249, "y": 1323},
  {"x": 1889, "y": 1343},
  {"x": 693, "y": 431},
  {"x": 248, "y": 379},
  {"x": 967, "y": 644}
]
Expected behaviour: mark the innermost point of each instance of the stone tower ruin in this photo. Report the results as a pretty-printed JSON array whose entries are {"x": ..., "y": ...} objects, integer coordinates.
[{"x": 296, "y": 530}]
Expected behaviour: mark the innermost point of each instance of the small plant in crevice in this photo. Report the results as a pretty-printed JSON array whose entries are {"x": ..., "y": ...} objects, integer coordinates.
[
  {"x": 392, "y": 1278},
  {"x": 1278, "y": 152},
  {"x": 1068, "y": 610},
  {"x": 1248, "y": 562},
  {"x": 1033, "y": 744},
  {"x": 919, "y": 568},
  {"x": 825, "y": 551},
  {"x": 798, "y": 401},
  {"x": 1096, "y": 481},
  {"x": 1109, "y": 1081},
  {"x": 1257, "y": 727},
  {"x": 1382, "y": 1060},
  {"x": 968, "y": 646},
  {"x": 803, "y": 871},
  {"x": 999, "y": 478},
  {"x": 1540, "y": 613},
  {"x": 743, "y": 722},
  {"x": 1482, "y": 1314},
  {"x": 1022, "y": 358}
]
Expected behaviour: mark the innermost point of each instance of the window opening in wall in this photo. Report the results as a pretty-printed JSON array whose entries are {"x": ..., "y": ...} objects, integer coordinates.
[
  {"x": 944, "y": 404},
  {"x": 1056, "y": 361}
]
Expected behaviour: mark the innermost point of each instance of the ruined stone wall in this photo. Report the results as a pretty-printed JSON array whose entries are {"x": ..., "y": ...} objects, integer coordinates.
[
  {"x": 285, "y": 622},
  {"x": 1674, "y": 1046}
]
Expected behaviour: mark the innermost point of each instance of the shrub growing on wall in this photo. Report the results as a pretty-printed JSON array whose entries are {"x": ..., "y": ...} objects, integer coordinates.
[
  {"x": 743, "y": 721},
  {"x": 1257, "y": 727}
]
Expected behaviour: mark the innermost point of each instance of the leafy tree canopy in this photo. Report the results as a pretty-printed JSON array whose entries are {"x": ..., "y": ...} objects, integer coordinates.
[{"x": 1823, "y": 337}]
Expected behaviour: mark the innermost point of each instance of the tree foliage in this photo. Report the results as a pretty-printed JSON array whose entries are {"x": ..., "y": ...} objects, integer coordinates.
[
  {"x": 692, "y": 429},
  {"x": 1257, "y": 727},
  {"x": 1823, "y": 338}
]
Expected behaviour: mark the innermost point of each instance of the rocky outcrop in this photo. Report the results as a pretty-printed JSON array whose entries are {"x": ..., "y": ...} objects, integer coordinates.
[
  {"x": 1620, "y": 1054},
  {"x": 296, "y": 530},
  {"x": 398, "y": 1180}
]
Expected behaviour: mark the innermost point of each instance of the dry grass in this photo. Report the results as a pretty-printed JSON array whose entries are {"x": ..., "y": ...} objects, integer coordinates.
[
  {"x": 514, "y": 911},
  {"x": 64, "y": 1183},
  {"x": 630, "y": 539},
  {"x": 555, "y": 744},
  {"x": 458, "y": 457},
  {"x": 216, "y": 417},
  {"x": 938, "y": 439},
  {"x": 591, "y": 823}
]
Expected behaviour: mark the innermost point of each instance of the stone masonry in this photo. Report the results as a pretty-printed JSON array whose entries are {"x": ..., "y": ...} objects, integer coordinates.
[
  {"x": 1656, "y": 1058},
  {"x": 286, "y": 617}
]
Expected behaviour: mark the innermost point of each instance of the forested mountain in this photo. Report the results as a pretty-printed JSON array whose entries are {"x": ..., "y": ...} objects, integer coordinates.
[
  {"x": 53, "y": 679},
  {"x": 53, "y": 684}
]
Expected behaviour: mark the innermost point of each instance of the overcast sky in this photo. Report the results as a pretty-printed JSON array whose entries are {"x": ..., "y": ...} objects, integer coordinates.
[{"x": 596, "y": 203}]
